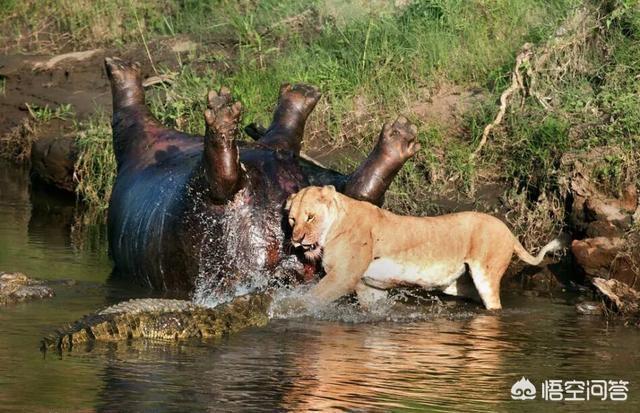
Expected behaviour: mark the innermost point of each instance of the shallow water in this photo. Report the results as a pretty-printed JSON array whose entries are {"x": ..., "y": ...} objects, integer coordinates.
[{"x": 461, "y": 361}]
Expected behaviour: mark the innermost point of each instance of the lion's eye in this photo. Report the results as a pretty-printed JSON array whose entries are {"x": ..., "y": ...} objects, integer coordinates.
[{"x": 310, "y": 218}]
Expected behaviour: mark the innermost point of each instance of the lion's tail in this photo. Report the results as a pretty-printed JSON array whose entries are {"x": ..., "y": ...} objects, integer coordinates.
[{"x": 524, "y": 255}]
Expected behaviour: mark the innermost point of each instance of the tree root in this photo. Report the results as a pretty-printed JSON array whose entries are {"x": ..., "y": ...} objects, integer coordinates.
[
  {"x": 516, "y": 84},
  {"x": 547, "y": 65}
]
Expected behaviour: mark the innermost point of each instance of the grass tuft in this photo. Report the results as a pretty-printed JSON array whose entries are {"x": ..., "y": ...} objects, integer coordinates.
[{"x": 95, "y": 167}]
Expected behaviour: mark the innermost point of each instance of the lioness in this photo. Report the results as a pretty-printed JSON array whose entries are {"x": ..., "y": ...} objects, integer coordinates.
[{"x": 367, "y": 249}]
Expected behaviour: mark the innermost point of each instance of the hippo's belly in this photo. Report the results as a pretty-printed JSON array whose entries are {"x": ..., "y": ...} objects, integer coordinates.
[
  {"x": 145, "y": 206},
  {"x": 167, "y": 234}
]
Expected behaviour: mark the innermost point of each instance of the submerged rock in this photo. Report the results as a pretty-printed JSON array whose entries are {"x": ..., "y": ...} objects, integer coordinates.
[
  {"x": 17, "y": 287},
  {"x": 162, "y": 319}
]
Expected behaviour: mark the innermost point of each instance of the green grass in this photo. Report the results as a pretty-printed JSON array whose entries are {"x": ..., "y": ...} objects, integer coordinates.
[
  {"x": 95, "y": 167},
  {"x": 46, "y": 114},
  {"x": 597, "y": 106},
  {"x": 384, "y": 60}
]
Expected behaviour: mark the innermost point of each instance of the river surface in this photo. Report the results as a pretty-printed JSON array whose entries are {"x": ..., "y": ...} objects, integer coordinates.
[{"x": 448, "y": 362}]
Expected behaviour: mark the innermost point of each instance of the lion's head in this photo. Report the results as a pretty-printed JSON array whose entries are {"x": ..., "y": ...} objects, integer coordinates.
[{"x": 312, "y": 211}]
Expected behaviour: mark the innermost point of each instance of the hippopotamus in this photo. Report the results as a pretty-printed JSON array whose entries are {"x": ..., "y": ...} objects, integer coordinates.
[{"x": 202, "y": 217}]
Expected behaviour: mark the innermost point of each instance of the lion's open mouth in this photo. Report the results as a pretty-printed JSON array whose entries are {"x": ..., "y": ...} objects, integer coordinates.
[
  {"x": 309, "y": 247},
  {"x": 312, "y": 251}
]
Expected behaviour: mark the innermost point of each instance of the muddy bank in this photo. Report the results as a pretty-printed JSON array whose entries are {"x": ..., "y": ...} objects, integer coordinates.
[
  {"x": 78, "y": 78},
  {"x": 606, "y": 228}
]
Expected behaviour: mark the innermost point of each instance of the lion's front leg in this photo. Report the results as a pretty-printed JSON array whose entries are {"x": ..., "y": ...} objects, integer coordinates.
[
  {"x": 331, "y": 287},
  {"x": 343, "y": 275}
]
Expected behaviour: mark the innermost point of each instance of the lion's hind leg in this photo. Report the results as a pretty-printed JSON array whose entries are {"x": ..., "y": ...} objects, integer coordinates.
[
  {"x": 487, "y": 281},
  {"x": 368, "y": 296},
  {"x": 463, "y": 287}
]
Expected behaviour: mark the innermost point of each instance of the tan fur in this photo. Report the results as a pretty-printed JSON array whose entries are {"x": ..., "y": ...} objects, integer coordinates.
[{"x": 367, "y": 249}]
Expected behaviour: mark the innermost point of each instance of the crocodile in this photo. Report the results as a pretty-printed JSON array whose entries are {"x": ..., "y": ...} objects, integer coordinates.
[
  {"x": 162, "y": 319},
  {"x": 17, "y": 287}
]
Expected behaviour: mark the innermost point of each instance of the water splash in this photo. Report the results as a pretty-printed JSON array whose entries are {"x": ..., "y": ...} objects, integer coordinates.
[
  {"x": 401, "y": 305},
  {"x": 233, "y": 253}
]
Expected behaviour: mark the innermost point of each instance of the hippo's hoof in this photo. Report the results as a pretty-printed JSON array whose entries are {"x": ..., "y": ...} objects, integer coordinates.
[
  {"x": 399, "y": 140},
  {"x": 299, "y": 97},
  {"x": 222, "y": 115},
  {"x": 121, "y": 70}
]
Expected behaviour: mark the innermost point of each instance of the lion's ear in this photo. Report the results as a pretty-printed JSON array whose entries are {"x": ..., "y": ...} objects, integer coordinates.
[{"x": 287, "y": 205}]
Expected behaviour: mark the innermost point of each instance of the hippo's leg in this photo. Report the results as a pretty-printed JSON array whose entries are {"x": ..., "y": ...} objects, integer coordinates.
[
  {"x": 294, "y": 106},
  {"x": 396, "y": 144},
  {"x": 221, "y": 156},
  {"x": 130, "y": 113},
  {"x": 126, "y": 82}
]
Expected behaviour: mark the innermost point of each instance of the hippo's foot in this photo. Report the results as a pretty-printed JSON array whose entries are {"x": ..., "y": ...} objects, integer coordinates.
[
  {"x": 126, "y": 82},
  {"x": 398, "y": 141},
  {"x": 300, "y": 98},
  {"x": 222, "y": 116},
  {"x": 221, "y": 157},
  {"x": 162, "y": 319},
  {"x": 287, "y": 128},
  {"x": 396, "y": 144}
]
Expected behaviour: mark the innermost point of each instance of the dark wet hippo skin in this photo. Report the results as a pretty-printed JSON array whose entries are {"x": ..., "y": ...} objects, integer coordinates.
[{"x": 204, "y": 217}]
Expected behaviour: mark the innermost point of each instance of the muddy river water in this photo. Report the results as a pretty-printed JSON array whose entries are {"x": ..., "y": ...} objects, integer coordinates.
[{"x": 449, "y": 362}]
